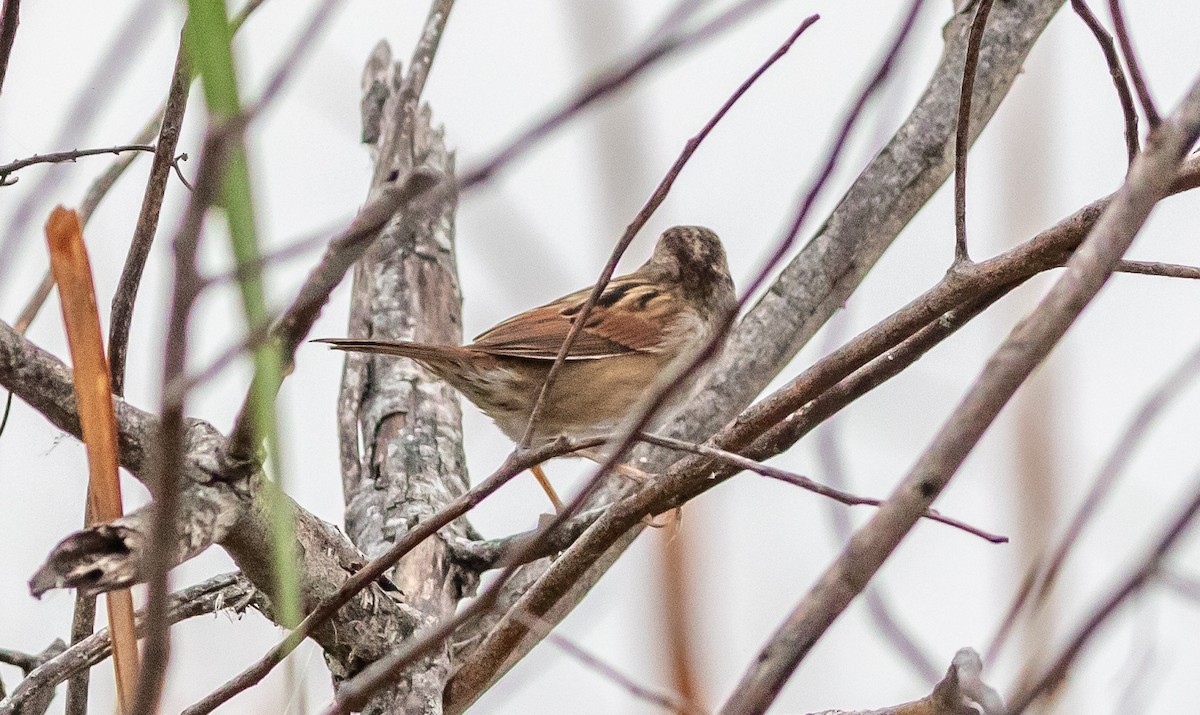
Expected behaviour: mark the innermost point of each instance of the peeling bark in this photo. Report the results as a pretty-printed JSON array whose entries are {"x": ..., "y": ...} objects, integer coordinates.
[{"x": 401, "y": 433}]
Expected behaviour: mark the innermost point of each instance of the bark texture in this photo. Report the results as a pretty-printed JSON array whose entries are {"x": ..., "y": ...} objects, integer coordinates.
[{"x": 400, "y": 428}]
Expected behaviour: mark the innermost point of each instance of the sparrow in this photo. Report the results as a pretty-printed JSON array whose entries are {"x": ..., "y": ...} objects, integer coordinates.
[{"x": 643, "y": 323}]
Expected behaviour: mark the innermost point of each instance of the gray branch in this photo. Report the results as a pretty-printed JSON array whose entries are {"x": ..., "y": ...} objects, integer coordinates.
[
  {"x": 230, "y": 591},
  {"x": 889, "y": 192},
  {"x": 411, "y": 463},
  {"x": 961, "y": 692},
  {"x": 1150, "y": 179}
]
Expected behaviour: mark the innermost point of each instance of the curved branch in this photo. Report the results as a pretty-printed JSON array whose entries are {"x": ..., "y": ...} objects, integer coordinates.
[
  {"x": 889, "y": 192},
  {"x": 1150, "y": 179}
]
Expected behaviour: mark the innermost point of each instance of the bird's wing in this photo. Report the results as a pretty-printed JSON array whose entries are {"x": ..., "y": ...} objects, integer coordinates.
[{"x": 630, "y": 316}]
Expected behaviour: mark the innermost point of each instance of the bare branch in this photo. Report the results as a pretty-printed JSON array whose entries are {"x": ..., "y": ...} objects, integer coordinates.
[
  {"x": 121, "y": 316},
  {"x": 1124, "y": 95},
  {"x": 379, "y": 566},
  {"x": 1131, "y": 61},
  {"x": 962, "y": 134},
  {"x": 961, "y": 692},
  {"x": 1053, "y": 675},
  {"x": 229, "y": 591},
  {"x": 482, "y": 556},
  {"x": 643, "y": 215},
  {"x": 10, "y": 17},
  {"x": 59, "y": 157},
  {"x": 35, "y": 703},
  {"x": 803, "y": 482},
  {"x": 363, "y": 629},
  {"x": 1150, "y": 179}
]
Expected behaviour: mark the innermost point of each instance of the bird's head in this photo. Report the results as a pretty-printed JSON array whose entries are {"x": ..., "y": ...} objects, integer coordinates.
[{"x": 695, "y": 258}]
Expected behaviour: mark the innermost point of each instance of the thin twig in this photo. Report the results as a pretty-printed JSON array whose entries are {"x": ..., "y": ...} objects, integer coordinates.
[
  {"x": 91, "y": 200},
  {"x": 9, "y": 20},
  {"x": 962, "y": 134},
  {"x": 215, "y": 594},
  {"x": 1150, "y": 179},
  {"x": 167, "y": 460},
  {"x": 1125, "y": 96},
  {"x": 803, "y": 482},
  {"x": 379, "y": 566},
  {"x": 887, "y": 623},
  {"x": 61, "y": 156},
  {"x": 593, "y": 663},
  {"x": 1153, "y": 268},
  {"x": 101, "y": 186},
  {"x": 1041, "y": 578},
  {"x": 107, "y": 73},
  {"x": 1131, "y": 61},
  {"x": 121, "y": 315},
  {"x": 643, "y": 215},
  {"x": 493, "y": 652},
  {"x": 1054, "y": 674},
  {"x": 604, "y": 85},
  {"x": 483, "y": 556}
]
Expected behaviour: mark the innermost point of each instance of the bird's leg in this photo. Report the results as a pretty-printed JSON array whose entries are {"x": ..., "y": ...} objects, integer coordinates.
[
  {"x": 625, "y": 470},
  {"x": 541, "y": 477},
  {"x": 640, "y": 477}
]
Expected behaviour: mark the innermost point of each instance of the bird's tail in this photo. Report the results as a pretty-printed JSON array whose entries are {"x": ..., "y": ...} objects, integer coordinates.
[{"x": 428, "y": 354}]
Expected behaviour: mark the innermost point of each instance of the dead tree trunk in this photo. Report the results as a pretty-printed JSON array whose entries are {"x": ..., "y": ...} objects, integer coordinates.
[{"x": 400, "y": 428}]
